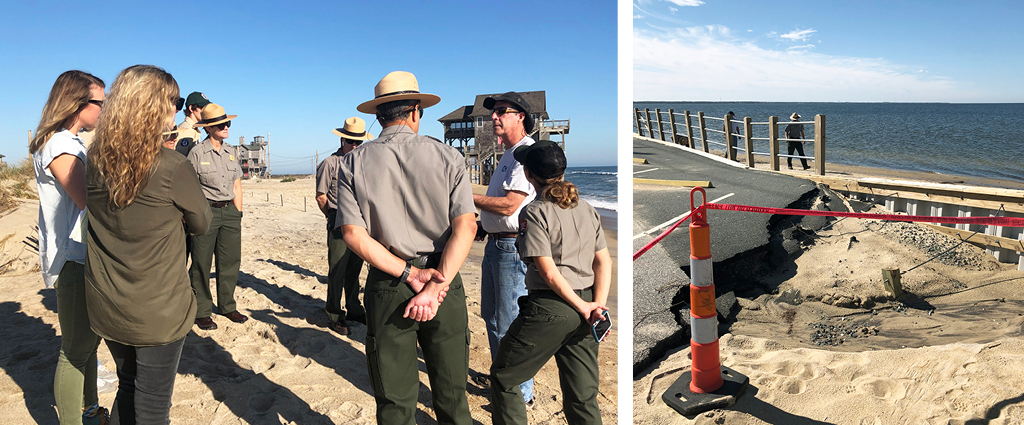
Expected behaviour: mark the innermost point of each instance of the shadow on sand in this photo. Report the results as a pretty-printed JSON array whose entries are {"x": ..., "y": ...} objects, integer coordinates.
[{"x": 31, "y": 348}]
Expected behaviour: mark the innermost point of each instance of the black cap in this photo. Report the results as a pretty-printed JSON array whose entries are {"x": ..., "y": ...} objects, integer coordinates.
[
  {"x": 516, "y": 100},
  {"x": 544, "y": 159},
  {"x": 198, "y": 99}
]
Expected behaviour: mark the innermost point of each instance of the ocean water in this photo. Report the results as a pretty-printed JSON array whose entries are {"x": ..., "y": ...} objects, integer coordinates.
[
  {"x": 597, "y": 185},
  {"x": 981, "y": 139}
]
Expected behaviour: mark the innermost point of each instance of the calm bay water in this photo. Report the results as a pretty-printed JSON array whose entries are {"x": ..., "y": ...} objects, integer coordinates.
[{"x": 982, "y": 140}]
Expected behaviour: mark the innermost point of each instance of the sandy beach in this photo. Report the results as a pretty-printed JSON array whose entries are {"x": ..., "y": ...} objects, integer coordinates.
[
  {"x": 830, "y": 345},
  {"x": 283, "y": 366}
]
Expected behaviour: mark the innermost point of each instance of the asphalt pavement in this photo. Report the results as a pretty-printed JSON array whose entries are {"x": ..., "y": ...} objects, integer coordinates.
[{"x": 659, "y": 283}]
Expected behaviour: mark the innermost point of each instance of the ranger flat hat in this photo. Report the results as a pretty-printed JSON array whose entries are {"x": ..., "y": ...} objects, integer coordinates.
[
  {"x": 354, "y": 129},
  {"x": 213, "y": 114},
  {"x": 545, "y": 159},
  {"x": 795, "y": 116},
  {"x": 198, "y": 99},
  {"x": 398, "y": 85},
  {"x": 518, "y": 102}
]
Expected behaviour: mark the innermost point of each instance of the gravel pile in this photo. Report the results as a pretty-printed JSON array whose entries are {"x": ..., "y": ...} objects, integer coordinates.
[
  {"x": 964, "y": 256},
  {"x": 823, "y": 333}
]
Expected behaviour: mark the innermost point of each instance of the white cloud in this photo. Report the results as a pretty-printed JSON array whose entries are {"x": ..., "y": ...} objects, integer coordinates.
[
  {"x": 707, "y": 63},
  {"x": 638, "y": 16},
  {"x": 673, "y": 9},
  {"x": 686, "y": 2},
  {"x": 798, "y": 35},
  {"x": 804, "y": 47}
]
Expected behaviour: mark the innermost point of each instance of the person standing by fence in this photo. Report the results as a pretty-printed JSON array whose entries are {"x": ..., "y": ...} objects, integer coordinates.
[
  {"x": 795, "y": 131},
  {"x": 731, "y": 139}
]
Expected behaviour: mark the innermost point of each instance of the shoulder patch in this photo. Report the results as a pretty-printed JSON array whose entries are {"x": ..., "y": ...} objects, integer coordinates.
[{"x": 522, "y": 227}]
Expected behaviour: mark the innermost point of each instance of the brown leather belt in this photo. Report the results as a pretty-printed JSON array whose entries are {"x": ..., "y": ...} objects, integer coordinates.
[
  {"x": 503, "y": 235},
  {"x": 219, "y": 204}
]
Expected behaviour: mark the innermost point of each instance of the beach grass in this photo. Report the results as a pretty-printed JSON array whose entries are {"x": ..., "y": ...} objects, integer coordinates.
[{"x": 14, "y": 184}]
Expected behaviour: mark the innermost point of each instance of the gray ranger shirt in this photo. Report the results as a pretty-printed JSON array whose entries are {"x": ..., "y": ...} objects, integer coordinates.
[
  {"x": 569, "y": 236},
  {"x": 217, "y": 170},
  {"x": 404, "y": 189}
]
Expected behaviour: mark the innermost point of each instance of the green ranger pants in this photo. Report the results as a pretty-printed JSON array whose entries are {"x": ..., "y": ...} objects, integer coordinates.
[
  {"x": 391, "y": 352},
  {"x": 342, "y": 276},
  {"x": 225, "y": 240},
  {"x": 547, "y": 326}
]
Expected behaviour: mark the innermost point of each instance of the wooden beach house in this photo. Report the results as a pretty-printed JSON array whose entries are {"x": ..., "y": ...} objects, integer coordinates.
[
  {"x": 469, "y": 129},
  {"x": 253, "y": 157}
]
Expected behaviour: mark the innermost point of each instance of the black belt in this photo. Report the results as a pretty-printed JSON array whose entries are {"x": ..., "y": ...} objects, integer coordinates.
[
  {"x": 503, "y": 235},
  {"x": 550, "y": 293},
  {"x": 428, "y": 261},
  {"x": 219, "y": 204}
]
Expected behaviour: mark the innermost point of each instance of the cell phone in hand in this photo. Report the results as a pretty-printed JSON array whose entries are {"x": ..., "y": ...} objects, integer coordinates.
[{"x": 602, "y": 327}]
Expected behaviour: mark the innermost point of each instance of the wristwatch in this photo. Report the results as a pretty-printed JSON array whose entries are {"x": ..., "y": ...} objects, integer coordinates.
[{"x": 405, "y": 273}]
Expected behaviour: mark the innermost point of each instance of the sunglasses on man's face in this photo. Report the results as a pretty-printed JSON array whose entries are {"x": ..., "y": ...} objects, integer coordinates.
[
  {"x": 352, "y": 142},
  {"x": 503, "y": 110},
  {"x": 222, "y": 125},
  {"x": 96, "y": 102},
  {"x": 178, "y": 104}
]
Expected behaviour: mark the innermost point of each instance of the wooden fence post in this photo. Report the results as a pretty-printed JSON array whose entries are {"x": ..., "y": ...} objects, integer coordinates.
[
  {"x": 689, "y": 130},
  {"x": 703, "y": 130},
  {"x": 636, "y": 119},
  {"x": 730, "y": 153},
  {"x": 1020, "y": 259},
  {"x": 773, "y": 141},
  {"x": 672, "y": 125},
  {"x": 749, "y": 142},
  {"x": 661, "y": 129},
  {"x": 819, "y": 144},
  {"x": 650, "y": 130}
]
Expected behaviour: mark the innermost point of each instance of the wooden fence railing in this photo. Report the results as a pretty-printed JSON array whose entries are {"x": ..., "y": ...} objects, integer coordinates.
[{"x": 655, "y": 127}]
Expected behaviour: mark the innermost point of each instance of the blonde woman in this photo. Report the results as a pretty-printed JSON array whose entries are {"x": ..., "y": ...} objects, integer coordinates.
[
  {"x": 568, "y": 272},
  {"x": 58, "y": 155},
  {"x": 139, "y": 194}
]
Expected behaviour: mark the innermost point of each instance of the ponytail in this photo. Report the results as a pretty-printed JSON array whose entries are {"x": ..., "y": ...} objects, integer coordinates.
[{"x": 560, "y": 192}]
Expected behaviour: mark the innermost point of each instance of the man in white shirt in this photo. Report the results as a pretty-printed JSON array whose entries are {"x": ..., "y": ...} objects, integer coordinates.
[{"x": 503, "y": 272}]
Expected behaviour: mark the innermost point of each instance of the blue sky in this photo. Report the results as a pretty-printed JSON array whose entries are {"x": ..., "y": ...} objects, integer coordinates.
[
  {"x": 849, "y": 51},
  {"x": 297, "y": 70}
]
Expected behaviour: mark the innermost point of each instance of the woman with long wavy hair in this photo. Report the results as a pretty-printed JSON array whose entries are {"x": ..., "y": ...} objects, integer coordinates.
[
  {"x": 58, "y": 156},
  {"x": 568, "y": 273},
  {"x": 139, "y": 193}
]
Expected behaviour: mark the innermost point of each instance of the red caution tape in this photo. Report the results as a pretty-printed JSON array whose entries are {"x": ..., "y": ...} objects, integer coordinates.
[
  {"x": 990, "y": 221},
  {"x": 987, "y": 221}
]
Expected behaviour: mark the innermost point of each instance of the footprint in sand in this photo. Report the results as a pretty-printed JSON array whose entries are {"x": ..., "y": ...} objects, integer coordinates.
[{"x": 881, "y": 388}]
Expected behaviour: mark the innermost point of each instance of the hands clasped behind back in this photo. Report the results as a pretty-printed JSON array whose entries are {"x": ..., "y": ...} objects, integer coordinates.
[{"x": 430, "y": 293}]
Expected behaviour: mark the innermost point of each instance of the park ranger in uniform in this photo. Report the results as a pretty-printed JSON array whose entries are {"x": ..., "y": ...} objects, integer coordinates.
[
  {"x": 188, "y": 136},
  {"x": 342, "y": 264},
  {"x": 406, "y": 207},
  {"x": 216, "y": 163}
]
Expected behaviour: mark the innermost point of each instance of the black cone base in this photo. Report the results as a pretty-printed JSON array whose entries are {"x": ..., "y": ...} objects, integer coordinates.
[{"x": 688, "y": 403}]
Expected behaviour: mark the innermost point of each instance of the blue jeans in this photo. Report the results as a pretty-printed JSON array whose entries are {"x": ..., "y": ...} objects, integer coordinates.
[{"x": 503, "y": 281}]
